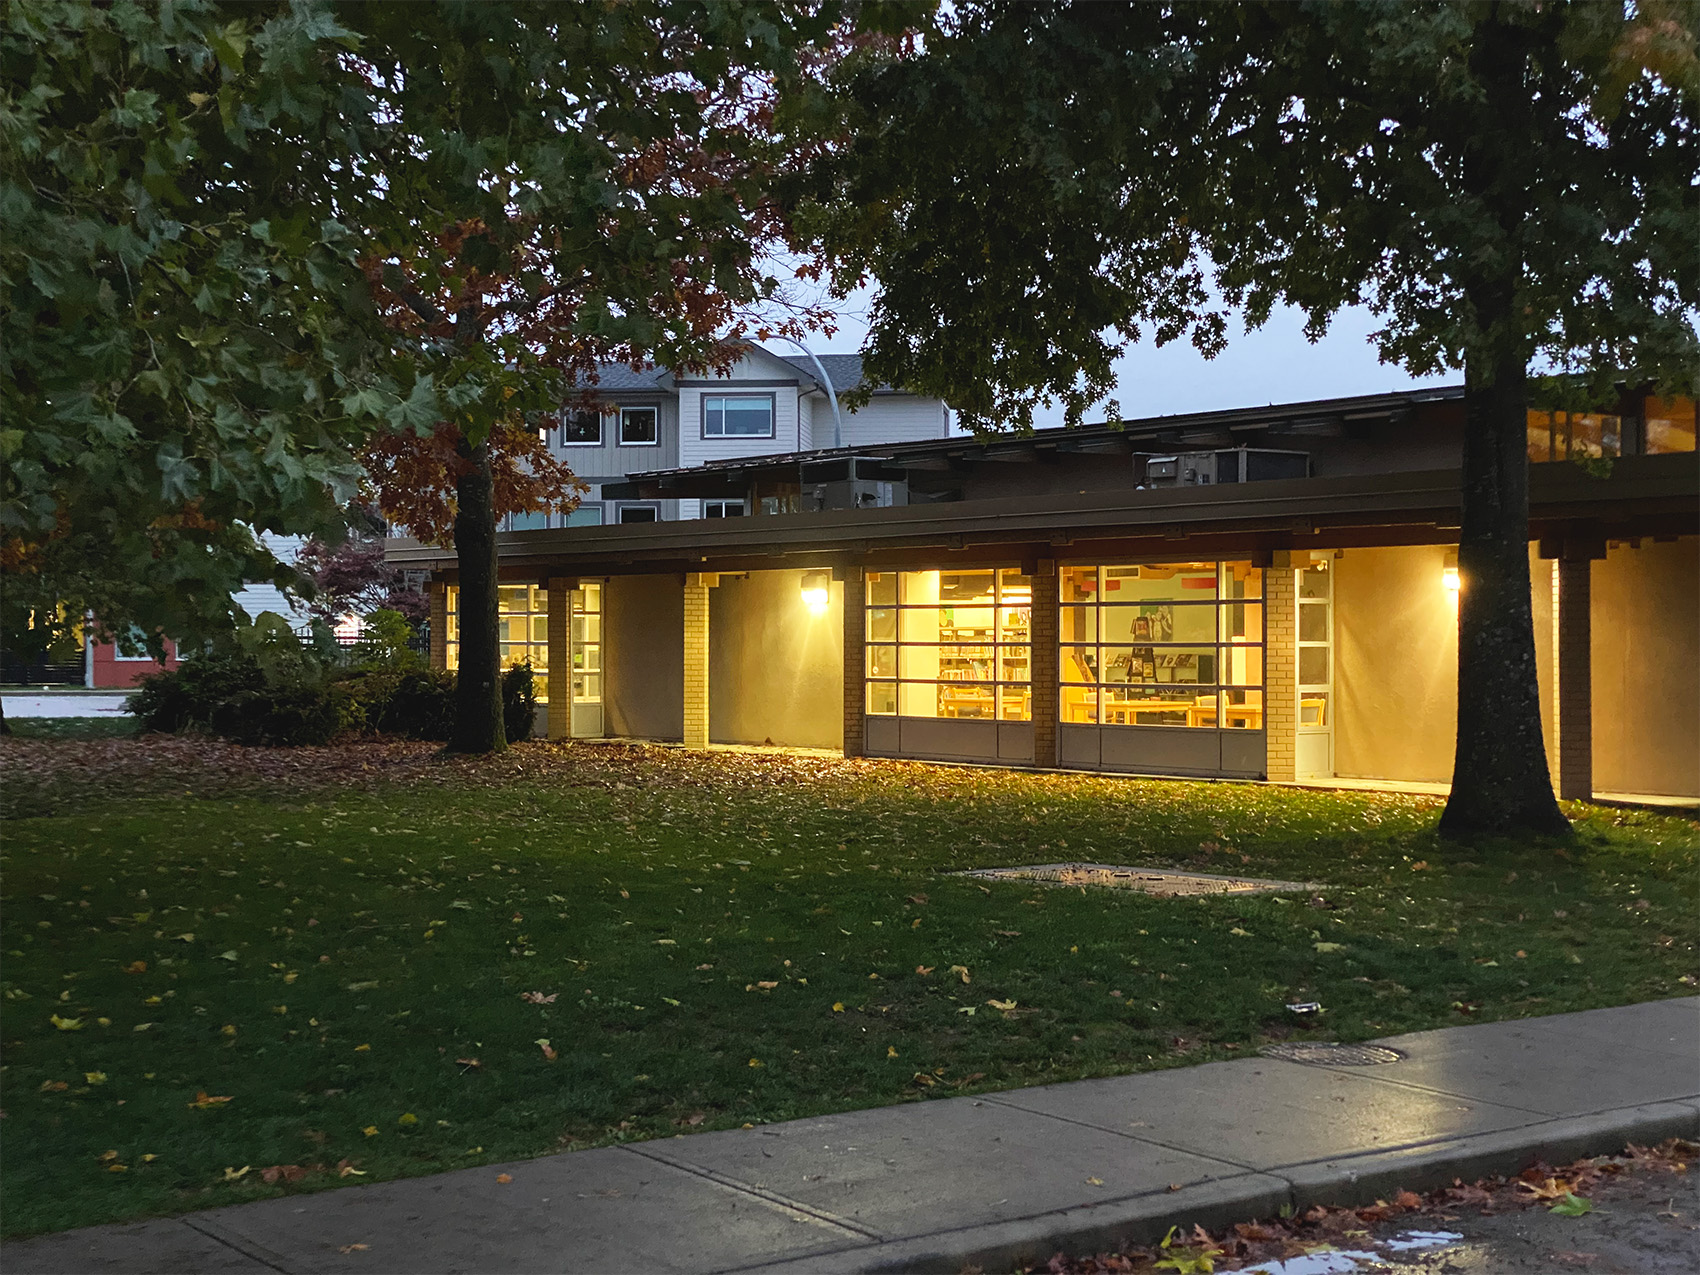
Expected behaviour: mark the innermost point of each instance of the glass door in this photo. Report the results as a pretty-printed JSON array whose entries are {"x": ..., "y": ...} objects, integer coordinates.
[
  {"x": 1315, "y": 747},
  {"x": 587, "y": 661}
]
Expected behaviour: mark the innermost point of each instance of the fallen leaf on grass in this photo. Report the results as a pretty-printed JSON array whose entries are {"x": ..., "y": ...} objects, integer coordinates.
[
  {"x": 925, "y": 969},
  {"x": 1004, "y": 1005},
  {"x": 346, "y": 1170},
  {"x": 408, "y": 1118},
  {"x": 231, "y": 1175},
  {"x": 1329, "y": 947},
  {"x": 542, "y": 1042},
  {"x": 838, "y": 1007},
  {"x": 538, "y": 998},
  {"x": 203, "y": 1100},
  {"x": 469, "y": 1064},
  {"x": 891, "y": 1051},
  {"x": 54, "y": 1086},
  {"x": 95, "y": 1077},
  {"x": 136, "y": 967},
  {"x": 282, "y": 1173},
  {"x": 371, "y": 1131},
  {"x": 961, "y": 970},
  {"x": 66, "y": 1024},
  {"x": 142, "y": 1027}
]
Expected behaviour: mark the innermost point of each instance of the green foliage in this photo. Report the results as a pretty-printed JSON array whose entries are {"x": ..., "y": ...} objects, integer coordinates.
[
  {"x": 519, "y": 702},
  {"x": 182, "y": 315},
  {"x": 384, "y": 642},
  {"x": 265, "y": 687},
  {"x": 443, "y": 889},
  {"x": 1039, "y": 184}
]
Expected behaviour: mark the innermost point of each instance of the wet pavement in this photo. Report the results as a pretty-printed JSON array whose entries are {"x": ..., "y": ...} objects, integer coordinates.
[{"x": 1640, "y": 1225}]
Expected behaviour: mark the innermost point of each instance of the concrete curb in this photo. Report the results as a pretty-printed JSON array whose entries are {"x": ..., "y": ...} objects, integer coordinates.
[{"x": 1356, "y": 1180}]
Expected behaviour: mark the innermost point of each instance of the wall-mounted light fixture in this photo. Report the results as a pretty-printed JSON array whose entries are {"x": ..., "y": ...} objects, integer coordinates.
[
  {"x": 817, "y": 591},
  {"x": 1449, "y": 573}
]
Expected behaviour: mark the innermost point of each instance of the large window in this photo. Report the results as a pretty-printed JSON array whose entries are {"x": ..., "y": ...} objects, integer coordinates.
[
  {"x": 950, "y": 644},
  {"x": 722, "y": 509},
  {"x": 522, "y": 626},
  {"x": 1666, "y": 425},
  {"x": 639, "y": 426},
  {"x": 638, "y": 513},
  {"x": 737, "y": 416},
  {"x": 587, "y": 644},
  {"x": 1162, "y": 644},
  {"x": 581, "y": 429}
]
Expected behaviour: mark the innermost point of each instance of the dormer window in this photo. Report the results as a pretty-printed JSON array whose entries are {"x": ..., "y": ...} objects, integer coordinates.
[
  {"x": 639, "y": 427},
  {"x": 737, "y": 416},
  {"x": 581, "y": 429}
]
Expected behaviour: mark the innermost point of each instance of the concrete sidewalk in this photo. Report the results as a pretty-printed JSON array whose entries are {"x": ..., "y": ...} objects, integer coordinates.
[{"x": 991, "y": 1181}]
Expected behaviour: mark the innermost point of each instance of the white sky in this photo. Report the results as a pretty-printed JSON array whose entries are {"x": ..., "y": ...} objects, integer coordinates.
[{"x": 1274, "y": 364}]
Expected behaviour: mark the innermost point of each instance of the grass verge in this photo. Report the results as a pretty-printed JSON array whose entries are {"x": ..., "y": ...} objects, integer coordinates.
[{"x": 399, "y": 969}]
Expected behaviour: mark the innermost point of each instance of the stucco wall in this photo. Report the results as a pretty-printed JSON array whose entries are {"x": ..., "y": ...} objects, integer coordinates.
[
  {"x": 643, "y": 657},
  {"x": 1645, "y": 620},
  {"x": 775, "y": 671},
  {"x": 1396, "y": 652},
  {"x": 1396, "y": 662}
]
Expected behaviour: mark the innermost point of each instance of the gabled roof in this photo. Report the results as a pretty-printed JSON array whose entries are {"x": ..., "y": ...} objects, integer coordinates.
[{"x": 844, "y": 369}]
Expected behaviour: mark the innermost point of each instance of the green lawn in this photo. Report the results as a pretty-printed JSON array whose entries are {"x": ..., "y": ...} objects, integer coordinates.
[
  {"x": 72, "y": 727},
  {"x": 341, "y": 942}
]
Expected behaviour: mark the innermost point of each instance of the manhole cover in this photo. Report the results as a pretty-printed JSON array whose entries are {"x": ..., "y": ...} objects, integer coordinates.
[
  {"x": 1316, "y": 1053},
  {"x": 1163, "y": 884}
]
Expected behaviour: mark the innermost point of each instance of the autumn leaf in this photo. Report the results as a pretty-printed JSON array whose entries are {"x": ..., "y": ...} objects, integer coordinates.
[
  {"x": 408, "y": 1118},
  {"x": 142, "y": 1027},
  {"x": 925, "y": 969},
  {"x": 891, "y": 1051},
  {"x": 469, "y": 1064},
  {"x": 1094, "y": 1181},
  {"x": 228, "y": 955},
  {"x": 95, "y": 1077},
  {"x": 283, "y": 1173},
  {"x": 1572, "y": 1206},
  {"x": 542, "y": 1042},
  {"x": 371, "y": 1131},
  {"x": 504, "y": 1178},
  {"x": 1329, "y": 947},
  {"x": 354, "y": 1248},
  {"x": 136, "y": 967},
  {"x": 838, "y": 1007},
  {"x": 231, "y": 1175},
  {"x": 756, "y": 1062},
  {"x": 346, "y": 1170},
  {"x": 66, "y": 1024},
  {"x": 538, "y": 998},
  {"x": 204, "y": 1100},
  {"x": 961, "y": 970}
]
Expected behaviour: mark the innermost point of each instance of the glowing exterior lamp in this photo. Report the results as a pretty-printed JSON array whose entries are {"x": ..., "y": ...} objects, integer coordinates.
[
  {"x": 1449, "y": 576},
  {"x": 816, "y": 591}
]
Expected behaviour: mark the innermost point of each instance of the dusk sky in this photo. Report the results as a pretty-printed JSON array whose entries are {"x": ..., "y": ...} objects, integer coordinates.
[{"x": 1274, "y": 364}]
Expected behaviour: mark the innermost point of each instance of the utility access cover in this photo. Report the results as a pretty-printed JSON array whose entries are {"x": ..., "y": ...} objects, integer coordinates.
[
  {"x": 1163, "y": 884},
  {"x": 1317, "y": 1053}
]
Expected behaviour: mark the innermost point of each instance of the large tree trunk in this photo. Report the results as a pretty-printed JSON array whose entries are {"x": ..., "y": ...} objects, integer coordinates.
[
  {"x": 478, "y": 691},
  {"x": 1499, "y": 777}
]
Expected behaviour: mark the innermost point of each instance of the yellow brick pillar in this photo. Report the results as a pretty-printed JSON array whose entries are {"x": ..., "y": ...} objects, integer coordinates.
[
  {"x": 696, "y": 658},
  {"x": 855, "y": 661},
  {"x": 560, "y": 657},
  {"x": 1280, "y": 667},
  {"x": 439, "y": 596},
  {"x": 1045, "y": 663}
]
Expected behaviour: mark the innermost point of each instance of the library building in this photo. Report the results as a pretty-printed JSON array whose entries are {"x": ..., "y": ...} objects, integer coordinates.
[{"x": 1261, "y": 594}]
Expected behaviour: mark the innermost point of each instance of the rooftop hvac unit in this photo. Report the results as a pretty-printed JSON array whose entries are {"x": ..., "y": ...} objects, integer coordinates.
[{"x": 1229, "y": 465}]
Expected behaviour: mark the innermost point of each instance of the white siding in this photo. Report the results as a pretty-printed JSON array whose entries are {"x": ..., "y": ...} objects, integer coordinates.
[
  {"x": 806, "y": 440},
  {"x": 267, "y": 596},
  {"x": 758, "y": 372},
  {"x": 888, "y": 418}
]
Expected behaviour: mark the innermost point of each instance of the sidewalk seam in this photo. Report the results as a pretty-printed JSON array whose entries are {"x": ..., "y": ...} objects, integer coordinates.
[
  {"x": 765, "y": 1194},
  {"x": 264, "y": 1256},
  {"x": 995, "y": 1099}
]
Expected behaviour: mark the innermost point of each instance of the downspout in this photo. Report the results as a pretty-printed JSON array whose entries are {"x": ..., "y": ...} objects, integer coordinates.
[{"x": 837, "y": 419}]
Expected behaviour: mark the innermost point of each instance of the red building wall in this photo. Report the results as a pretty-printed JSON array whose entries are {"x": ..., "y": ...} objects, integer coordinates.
[{"x": 111, "y": 671}]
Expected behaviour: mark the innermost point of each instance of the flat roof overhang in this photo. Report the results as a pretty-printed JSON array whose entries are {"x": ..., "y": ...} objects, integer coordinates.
[{"x": 1642, "y": 496}]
